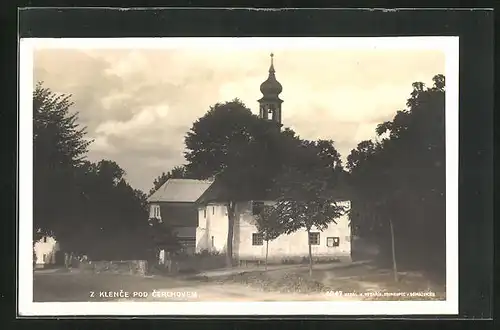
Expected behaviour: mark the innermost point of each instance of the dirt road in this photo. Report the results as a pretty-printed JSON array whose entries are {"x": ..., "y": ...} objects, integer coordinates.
[{"x": 82, "y": 287}]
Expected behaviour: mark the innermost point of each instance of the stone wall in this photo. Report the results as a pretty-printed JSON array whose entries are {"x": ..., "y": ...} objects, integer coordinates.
[{"x": 132, "y": 267}]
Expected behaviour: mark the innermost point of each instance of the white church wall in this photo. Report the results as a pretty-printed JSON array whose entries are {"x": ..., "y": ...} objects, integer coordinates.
[
  {"x": 294, "y": 245},
  {"x": 211, "y": 234}
]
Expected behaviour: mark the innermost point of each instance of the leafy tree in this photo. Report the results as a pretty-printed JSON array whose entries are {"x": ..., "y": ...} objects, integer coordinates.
[
  {"x": 306, "y": 190},
  {"x": 178, "y": 172},
  {"x": 88, "y": 207},
  {"x": 114, "y": 214},
  {"x": 363, "y": 151},
  {"x": 269, "y": 226},
  {"x": 400, "y": 181},
  {"x": 237, "y": 148},
  {"x": 163, "y": 237},
  {"x": 59, "y": 148}
]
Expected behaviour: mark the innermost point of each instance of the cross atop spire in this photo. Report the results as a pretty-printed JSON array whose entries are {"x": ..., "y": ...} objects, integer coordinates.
[{"x": 271, "y": 68}]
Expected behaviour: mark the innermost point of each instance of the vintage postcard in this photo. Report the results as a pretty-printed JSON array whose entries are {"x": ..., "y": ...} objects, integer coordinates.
[{"x": 238, "y": 176}]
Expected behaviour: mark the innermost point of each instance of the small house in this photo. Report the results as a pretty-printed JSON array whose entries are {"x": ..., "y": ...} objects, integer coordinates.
[{"x": 174, "y": 203}]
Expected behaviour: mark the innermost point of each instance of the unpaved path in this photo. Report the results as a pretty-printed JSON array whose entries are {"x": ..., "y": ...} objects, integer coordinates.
[
  {"x": 83, "y": 287},
  {"x": 233, "y": 293}
]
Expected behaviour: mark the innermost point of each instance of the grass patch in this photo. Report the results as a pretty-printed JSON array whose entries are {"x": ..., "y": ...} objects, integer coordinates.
[
  {"x": 368, "y": 283},
  {"x": 287, "y": 283}
]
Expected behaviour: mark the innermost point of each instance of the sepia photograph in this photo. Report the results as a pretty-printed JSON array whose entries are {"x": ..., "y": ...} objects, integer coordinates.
[{"x": 238, "y": 176}]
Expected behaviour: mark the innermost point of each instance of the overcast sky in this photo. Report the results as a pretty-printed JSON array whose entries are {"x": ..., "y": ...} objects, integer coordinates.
[{"x": 138, "y": 104}]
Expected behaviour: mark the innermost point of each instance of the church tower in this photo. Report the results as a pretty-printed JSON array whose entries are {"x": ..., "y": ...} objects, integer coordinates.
[{"x": 270, "y": 103}]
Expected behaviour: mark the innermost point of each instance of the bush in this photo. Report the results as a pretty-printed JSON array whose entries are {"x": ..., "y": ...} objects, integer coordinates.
[{"x": 206, "y": 253}]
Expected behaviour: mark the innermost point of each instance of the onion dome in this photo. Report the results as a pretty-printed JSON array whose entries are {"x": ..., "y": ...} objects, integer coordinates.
[{"x": 271, "y": 87}]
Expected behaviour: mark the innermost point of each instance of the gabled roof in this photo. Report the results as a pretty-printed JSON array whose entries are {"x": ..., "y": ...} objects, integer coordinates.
[
  {"x": 218, "y": 192},
  {"x": 215, "y": 193},
  {"x": 180, "y": 190}
]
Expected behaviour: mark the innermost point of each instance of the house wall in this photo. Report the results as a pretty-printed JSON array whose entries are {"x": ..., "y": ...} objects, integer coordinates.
[
  {"x": 182, "y": 217},
  {"x": 47, "y": 249},
  {"x": 290, "y": 246},
  {"x": 211, "y": 234},
  {"x": 175, "y": 214}
]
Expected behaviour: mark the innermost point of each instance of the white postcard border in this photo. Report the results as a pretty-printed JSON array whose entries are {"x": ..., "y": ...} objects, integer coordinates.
[{"x": 26, "y": 306}]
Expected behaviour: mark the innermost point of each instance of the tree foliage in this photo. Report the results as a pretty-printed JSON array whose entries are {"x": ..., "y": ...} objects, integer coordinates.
[
  {"x": 59, "y": 147},
  {"x": 163, "y": 236},
  {"x": 401, "y": 178},
  {"x": 269, "y": 225},
  {"x": 254, "y": 159},
  {"x": 236, "y": 147},
  {"x": 307, "y": 188},
  {"x": 89, "y": 207}
]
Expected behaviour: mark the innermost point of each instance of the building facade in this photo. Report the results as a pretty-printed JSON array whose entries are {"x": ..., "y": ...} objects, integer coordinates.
[
  {"x": 332, "y": 243},
  {"x": 195, "y": 209},
  {"x": 174, "y": 205},
  {"x": 211, "y": 235}
]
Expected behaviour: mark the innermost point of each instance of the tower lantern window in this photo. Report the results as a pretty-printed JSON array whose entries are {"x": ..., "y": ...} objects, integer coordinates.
[{"x": 270, "y": 103}]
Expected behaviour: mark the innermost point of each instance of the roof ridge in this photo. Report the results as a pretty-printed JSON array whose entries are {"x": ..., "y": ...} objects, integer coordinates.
[
  {"x": 190, "y": 180},
  {"x": 180, "y": 189}
]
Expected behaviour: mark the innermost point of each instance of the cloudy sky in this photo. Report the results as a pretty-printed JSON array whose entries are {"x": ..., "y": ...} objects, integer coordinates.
[{"x": 138, "y": 103}]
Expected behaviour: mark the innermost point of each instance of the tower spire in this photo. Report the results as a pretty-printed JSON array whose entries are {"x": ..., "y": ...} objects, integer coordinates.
[
  {"x": 271, "y": 68},
  {"x": 270, "y": 103}
]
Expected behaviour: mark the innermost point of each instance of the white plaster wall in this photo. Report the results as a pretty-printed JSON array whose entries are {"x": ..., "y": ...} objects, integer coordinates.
[
  {"x": 292, "y": 245},
  {"x": 214, "y": 224},
  {"x": 49, "y": 248}
]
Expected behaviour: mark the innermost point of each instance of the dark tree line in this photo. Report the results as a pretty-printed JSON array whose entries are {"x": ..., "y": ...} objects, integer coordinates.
[
  {"x": 254, "y": 160},
  {"x": 399, "y": 183},
  {"x": 89, "y": 207}
]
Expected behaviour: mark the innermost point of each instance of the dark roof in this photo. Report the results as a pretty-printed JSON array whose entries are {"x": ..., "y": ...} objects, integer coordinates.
[
  {"x": 179, "y": 214},
  {"x": 215, "y": 193},
  {"x": 180, "y": 190},
  {"x": 218, "y": 192}
]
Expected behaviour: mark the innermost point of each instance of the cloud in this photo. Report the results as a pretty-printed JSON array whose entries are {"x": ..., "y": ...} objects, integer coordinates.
[{"x": 139, "y": 104}]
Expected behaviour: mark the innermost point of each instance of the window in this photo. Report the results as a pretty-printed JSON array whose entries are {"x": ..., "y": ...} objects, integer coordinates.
[
  {"x": 213, "y": 209},
  {"x": 155, "y": 211},
  {"x": 332, "y": 241},
  {"x": 213, "y": 242},
  {"x": 45, "y": 239},
  {"x": 257, "y": 207},
  {"x": 257, "y": 239},
  {"x": 205, "y": 212},
  {"x": 270, "y": 112},
  {"x": 314, "y": 238}
]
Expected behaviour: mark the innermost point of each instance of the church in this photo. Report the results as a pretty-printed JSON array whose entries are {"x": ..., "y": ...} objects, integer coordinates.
[{"x": 208, "y": 225}]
